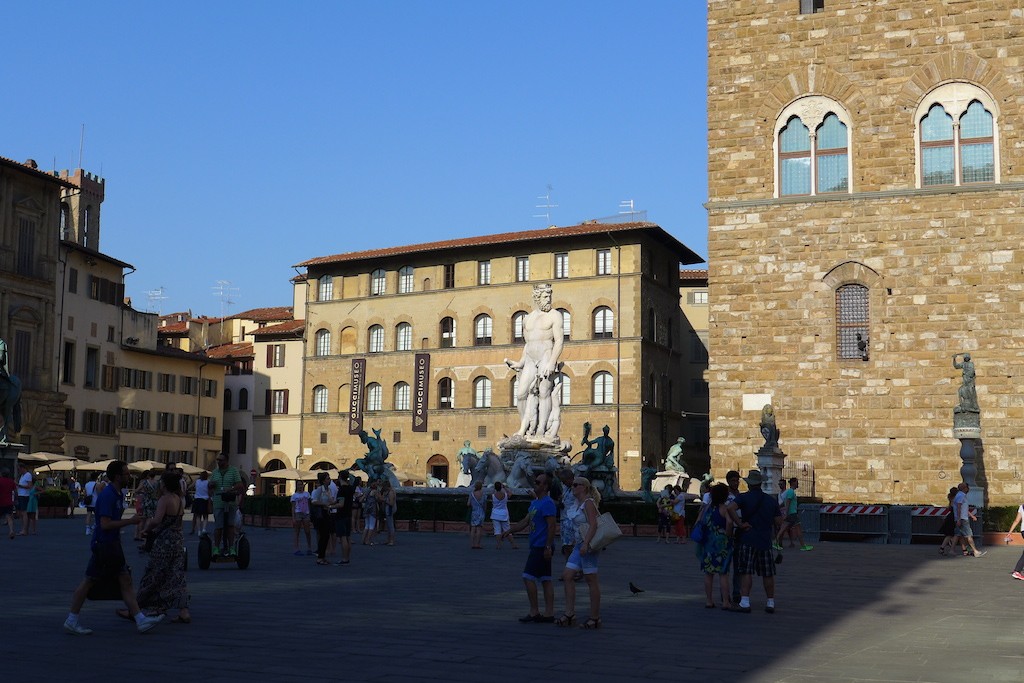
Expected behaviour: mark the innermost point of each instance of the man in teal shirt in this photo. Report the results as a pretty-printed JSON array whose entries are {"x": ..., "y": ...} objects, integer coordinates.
[
  {"x": 226, "y": 485},
  {"x": 792, "y": 517}
]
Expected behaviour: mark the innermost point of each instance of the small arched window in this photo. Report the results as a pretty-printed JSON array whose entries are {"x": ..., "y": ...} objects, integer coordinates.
[
  {"x": 483, "y": 330},
  {"x": 376, "y": 338},
  {"x": 405, "y": 279},
  {"x": 402, "y": 396},
  {"x": 227, "y": 399},
  {"x": 482, "y": 392},
  {"x": 378, "y": 282},
  {"x": 445, "y": 393},
  {"x": 603, "y": 390},
  {"x": 320, "y": 399},
  {"x": 604, "y": 322},
  {"x": 403, "y": 337},
  {"x": 65, "y": 221},
  {"x": 323, "y": 342},
  {"x": 518, "y": 325},
  {"x": 243, "y": 399},
  {"x": 374, "y": 397},
  {"x": 447, "y": 332}
]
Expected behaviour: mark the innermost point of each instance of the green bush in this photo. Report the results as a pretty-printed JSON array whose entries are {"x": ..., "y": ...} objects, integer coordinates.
[
  {"x": 998, "y": 518},
  {"x": 273, "y": 506},
  {"x": 54, "y": 498}
]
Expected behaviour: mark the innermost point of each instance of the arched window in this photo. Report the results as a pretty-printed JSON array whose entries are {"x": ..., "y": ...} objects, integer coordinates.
[
  {"x": 652, "y": 325},
  {"x": 483, "y": 329},
  {"x": 374, "y": 397},
  {"x": 401, "y": 396},
  {"x": 376, "y": 339},
  {"x": 482, "y": 392},
  {"x": 518, "y": 324},
  {"x": 853, "y": 322},
  {"x": 243, "y": 399},
  {"x": 445, "y": 393},
  {"x": 514, "y": 387},
  {"x": 813, "y": 147},
  {"x": 65, "y": 221},
  {"x": 323, "y": 342},
  {"x": 319, "y": 399},
  {"x": 403, "y": 337},
  {"x": 326, "y": 292},
  {"x": 447, "y": 333},
  {"x": 378, "y": 282},
  {"x": 566, "y": 323},
  {"x": 652, "y": 390},
  {"x": 603, "y": 389},
  {"x": 344, "y": 396},
  {"x": 563, "y": 385},
  {"x": 405, "y": 280},
  {"x": 958, "y": 134},
  {"x": 227, "y": 399},
  {"x": 604, "y": 322}
]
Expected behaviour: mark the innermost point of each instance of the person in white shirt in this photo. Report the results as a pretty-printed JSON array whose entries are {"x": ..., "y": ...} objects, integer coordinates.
[
  {"x": 499, "y": 514},
  {"x": 201, "y": 503},
  {"x": 25, "y": 483},
  {"x": 963, "y": 519},
  {"x": 300, "y": 516}
]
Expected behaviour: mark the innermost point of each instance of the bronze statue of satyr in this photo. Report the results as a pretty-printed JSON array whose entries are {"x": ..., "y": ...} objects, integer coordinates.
[
  {"x": 537, "y": 369},
  {"x": 672, "y": 461},
  {"x": 968, "y": 393},
  {"x": 599, "y": 453},
  {"x": 468, "y": 457},
  {"x": 377, "y": 453},
  {"x": 10, "y": 399}
]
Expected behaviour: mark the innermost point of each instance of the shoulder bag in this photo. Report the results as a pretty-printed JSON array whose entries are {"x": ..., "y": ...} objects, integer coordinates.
[{"x": 608, "y": 532}]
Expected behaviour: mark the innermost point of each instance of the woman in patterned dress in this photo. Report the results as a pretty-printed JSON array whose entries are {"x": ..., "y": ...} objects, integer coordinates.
[
  {"x": 163, "y": 585},
  {"x": 715, "y": 552}
]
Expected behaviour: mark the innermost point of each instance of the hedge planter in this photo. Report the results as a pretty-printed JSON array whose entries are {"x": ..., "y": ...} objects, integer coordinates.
[{"x": 50, "y": 512}]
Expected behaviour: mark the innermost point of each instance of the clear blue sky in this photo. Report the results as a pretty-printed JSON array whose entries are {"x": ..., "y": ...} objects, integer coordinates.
[{"x": 238, "y": 139}]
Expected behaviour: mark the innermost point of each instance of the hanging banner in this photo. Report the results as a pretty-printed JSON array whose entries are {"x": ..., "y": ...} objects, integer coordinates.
[
  {"x": 355, "y": 403},
  {"x": 421, "y": 392}
]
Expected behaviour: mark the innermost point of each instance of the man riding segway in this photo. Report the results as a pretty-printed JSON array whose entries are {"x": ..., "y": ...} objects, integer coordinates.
[{"x": 226, "y": 485}]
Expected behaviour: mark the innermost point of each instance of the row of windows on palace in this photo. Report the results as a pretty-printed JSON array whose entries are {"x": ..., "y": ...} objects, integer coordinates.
[
  {"x": 108, "y": 424},
  {"x": 659, "y": 394},
  {"x": 407, "y": 274},
  {"x": 956, "y": 145},
  {"x": 112, "y": 377}
]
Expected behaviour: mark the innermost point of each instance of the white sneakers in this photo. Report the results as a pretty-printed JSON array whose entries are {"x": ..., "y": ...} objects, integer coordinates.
[
  {"x": 147, "y": 623},
  {"x": 142, "y": 625},
  {"x": 75, "y": 628}
]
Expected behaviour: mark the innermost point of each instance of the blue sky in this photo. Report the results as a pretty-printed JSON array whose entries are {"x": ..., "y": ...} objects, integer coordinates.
[{"x": 238, "y": 139}]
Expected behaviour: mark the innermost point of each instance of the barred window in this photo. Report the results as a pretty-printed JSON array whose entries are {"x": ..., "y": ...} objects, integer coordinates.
[{"x": 852, "y": 322}]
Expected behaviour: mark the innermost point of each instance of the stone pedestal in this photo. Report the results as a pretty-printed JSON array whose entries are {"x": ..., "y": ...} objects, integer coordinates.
[
  {"x": 770, "y": 461},
  {"x": 967, "y": 428},
  {"x": 9, "y": 456}
]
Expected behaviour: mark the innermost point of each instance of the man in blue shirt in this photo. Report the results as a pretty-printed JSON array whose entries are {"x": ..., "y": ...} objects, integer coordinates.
[
  {"x": 107, "y": 561},
  {"x": 759, "y": 514},
  {"x": 542, "y": 514}
]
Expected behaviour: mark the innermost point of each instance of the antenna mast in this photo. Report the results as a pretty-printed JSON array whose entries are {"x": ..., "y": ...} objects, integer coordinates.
[
  {"x": 627, "y": 204},
  {"x": 156, "y": 295},
  {"x": 223, "y": 290},
  {"x": 547, "y": 206}
]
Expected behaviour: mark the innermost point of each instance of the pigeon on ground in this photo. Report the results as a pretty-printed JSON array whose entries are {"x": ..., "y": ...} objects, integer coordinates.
[{"x": 634, "y": 590}]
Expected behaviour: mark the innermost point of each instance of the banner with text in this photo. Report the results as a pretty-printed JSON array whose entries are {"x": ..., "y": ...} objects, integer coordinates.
[
  {"x": 421, "y": 392},
  {"x": 355, "y": 403}
]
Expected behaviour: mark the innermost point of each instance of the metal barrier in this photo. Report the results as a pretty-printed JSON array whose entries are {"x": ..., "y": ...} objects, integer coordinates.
[
  {"x": 927, "y": 519},
  {"x": 900, "y": 524},
  {"x": 810, "y": 521},
  {"x": 869, "y": 522}
]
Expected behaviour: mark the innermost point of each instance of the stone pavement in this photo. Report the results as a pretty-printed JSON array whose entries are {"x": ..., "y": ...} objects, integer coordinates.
[{"x": 432, "y": 609}]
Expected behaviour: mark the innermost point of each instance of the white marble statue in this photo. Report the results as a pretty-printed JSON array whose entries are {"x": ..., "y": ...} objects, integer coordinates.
[{"x": 537, "y": 369}]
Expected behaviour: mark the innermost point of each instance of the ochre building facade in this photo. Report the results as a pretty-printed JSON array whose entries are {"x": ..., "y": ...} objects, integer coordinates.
[
  {"x": 865, "y": 182},
  {"x": 459, "y": 305}
]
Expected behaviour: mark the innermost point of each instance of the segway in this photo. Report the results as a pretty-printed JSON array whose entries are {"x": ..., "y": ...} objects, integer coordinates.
[{"x": 238, "y": 553}]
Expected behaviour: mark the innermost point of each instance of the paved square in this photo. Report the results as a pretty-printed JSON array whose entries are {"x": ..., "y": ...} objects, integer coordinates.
[{"x": 432, "y": 609}]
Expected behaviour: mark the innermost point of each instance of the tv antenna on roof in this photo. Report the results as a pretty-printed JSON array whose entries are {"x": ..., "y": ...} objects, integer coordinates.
[
  {"x": 547, "y": 206},
  {"x": 156, "y": 295},
  {"x": 627, "y": 204},
  {"x": 223, "y": 289}
]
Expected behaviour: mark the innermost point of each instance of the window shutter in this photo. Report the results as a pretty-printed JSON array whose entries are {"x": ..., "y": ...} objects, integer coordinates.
[
  {"x": 270, "y": 357},
  {"x": 268, "y": 403},
  {"x": 285, "y": 407},
  {"x": 282, "y": 356}
]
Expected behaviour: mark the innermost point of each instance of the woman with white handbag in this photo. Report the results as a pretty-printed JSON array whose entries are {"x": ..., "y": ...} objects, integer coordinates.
[{"x": 583, "y": 557}]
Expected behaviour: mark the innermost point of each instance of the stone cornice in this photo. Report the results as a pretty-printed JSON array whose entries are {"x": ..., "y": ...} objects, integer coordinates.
[{"x": 855, "y": 196}]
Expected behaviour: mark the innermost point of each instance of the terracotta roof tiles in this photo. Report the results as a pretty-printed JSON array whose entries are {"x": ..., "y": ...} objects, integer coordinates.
[
  {"x": 264, "y": 314},
  {"x": 243, "y": 350},
  {"x": 289, "y": 327}
]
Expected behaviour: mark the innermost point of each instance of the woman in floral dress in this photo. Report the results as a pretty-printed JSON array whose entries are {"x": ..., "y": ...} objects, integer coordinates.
[
  {"x": 163, "y": 585},
  {"x": 715, "y": 552}
]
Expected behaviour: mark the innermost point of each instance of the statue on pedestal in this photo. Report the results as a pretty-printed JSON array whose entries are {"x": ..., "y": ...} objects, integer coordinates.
[
  {"x": 672, "y": 461},
  {"x": 599, "y": 453},
  {"x": 10, "y": 399},
  {"x": 468, "y": 457},
  {"x": 769, "y": 430},
  {"x": 537, "y": 370},
  {"x": 373, "y": 462},
  {"x": 967, "y": 393}
]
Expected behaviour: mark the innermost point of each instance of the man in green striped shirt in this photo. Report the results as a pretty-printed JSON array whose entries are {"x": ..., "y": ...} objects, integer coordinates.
[{"x": 226, "y": 485}]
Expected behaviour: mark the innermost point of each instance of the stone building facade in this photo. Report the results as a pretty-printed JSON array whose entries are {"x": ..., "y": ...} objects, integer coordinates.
[
  {"x": 458, "y": 306},
  {"x": 865, "y": 177}
]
